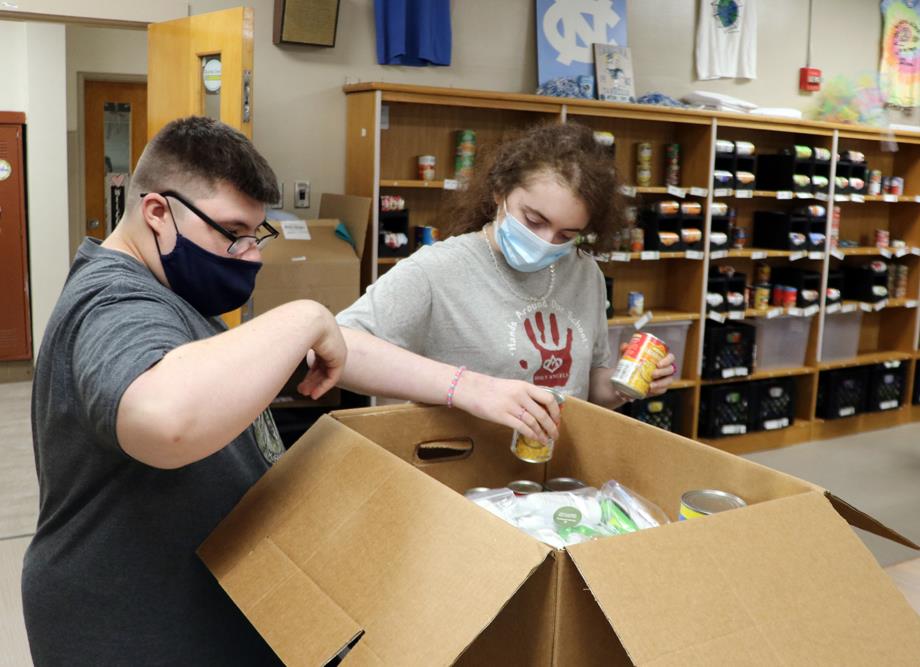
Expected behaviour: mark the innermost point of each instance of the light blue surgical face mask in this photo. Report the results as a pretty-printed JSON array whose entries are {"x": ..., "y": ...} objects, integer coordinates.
[{"x": 524, "y": 250}]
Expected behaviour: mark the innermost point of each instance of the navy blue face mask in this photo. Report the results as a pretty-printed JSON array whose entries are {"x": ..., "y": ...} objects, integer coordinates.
[{"x": 211, "y": 284}]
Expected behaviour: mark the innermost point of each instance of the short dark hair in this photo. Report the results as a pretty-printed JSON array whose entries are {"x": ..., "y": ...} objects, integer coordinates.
[
  {"x": 567, "y": 151},
  {"x": 197, "y": 152}
]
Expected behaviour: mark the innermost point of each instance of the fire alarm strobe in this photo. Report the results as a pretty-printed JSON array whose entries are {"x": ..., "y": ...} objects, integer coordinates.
[{"x": 809, "y": 79}]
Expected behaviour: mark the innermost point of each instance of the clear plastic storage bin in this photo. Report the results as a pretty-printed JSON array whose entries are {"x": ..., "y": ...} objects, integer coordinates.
[
  {"x": 781, "y": 342},
  {"x": 674, "y": 335},
  {"x": 841, "y": 336}
]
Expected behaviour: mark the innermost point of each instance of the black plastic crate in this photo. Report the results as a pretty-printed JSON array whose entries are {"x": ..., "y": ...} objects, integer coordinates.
[
  {"x": 395, "y": 222},
  {"x": 842, "y": 392},
  {"x": 777, "y": 230},
  {"x": 859, "y": 281},
  {"x": 725, "y": 410},
  {"x": 887, "y": 382},
  {"x": 728, "y": 350},
  {"x": 772, "y": 404},
  {"x": 776, "y": 172},
  {"x": 660, "y": 411}
]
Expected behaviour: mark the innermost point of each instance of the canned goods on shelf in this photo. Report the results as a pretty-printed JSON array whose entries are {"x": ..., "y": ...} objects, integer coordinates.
[
  {"x": 691, "y": 208},
  {"x": 744, "y": 148},
  {"x": 691, "y": 235},
  {"x": 644, "y": 152},
  {"x": 668, "y": 207},
  {"x": 637, "y": 239},
  {"x": 725, "y": 146},
  {"x": 803, "y": 152},
  {"x": 762, "y": 272},
  {"x": 704, "y": 502},
  {"x": 822, "y": 154},
  {"x": 719, "y": 208},
  {"x": 668, "y": 239},
  {"x": 635, "y": 304}
]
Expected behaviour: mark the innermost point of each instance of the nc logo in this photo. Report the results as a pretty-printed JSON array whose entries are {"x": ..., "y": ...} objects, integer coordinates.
[{"x": 572, "y": 26}]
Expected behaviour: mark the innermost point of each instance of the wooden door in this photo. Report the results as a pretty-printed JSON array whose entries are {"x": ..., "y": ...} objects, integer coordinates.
[
  {"x": 115, "y": 132},
  {"x": 15, "y": 326},
  {"x": 202, "y": 65}
]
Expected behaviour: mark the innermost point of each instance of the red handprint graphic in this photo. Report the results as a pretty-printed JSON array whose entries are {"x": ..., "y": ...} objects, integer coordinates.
[{"x": 555, "y": 360}]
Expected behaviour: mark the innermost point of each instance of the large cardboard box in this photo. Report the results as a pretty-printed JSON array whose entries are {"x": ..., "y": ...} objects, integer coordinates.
[
  {"x": 359, "y": 537},
  {"x": 325, "y": 268}
]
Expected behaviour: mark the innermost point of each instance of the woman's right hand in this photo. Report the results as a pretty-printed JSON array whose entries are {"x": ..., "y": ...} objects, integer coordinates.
[{"x": 530, "y": 409}]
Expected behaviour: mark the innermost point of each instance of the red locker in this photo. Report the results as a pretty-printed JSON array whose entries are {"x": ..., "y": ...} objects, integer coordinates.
[{"x": 15, "y": 327}]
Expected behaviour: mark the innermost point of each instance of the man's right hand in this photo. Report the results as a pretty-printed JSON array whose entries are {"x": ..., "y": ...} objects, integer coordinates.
[{"x": 327, "y": 357}]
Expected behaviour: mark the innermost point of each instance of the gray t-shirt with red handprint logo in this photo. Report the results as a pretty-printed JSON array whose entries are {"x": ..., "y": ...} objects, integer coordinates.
[{"x": 450, "y": 302}]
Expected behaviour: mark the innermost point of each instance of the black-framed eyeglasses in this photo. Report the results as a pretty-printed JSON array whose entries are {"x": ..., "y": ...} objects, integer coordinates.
[{"x": 238, "y": 244}]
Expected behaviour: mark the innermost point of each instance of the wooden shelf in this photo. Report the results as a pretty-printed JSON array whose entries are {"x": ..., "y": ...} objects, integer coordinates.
[
  {"x": 865, "y": 360},
  {"x": 662, "y": 315},
  {"x": 799, "y": 431},
  {"x": 400, "y": 183},
  {"x": 765, "y": 375},
  {"x": 771, "y": 312},
  {"x": 424, "y": 119}
]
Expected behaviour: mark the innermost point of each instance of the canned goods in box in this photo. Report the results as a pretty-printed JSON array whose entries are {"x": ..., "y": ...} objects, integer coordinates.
[
  {"x": 475, "y": 491},
  {"x": 534, "y": 451},
  {"x": 564, "y": 484},
  {"x": 635, "y": 304},
  {"x": 744, "y": 148},
  {"x": 694, "y": 504},
  {"x": 633, "y": 374},
  {"x": 524, "y": 487}
]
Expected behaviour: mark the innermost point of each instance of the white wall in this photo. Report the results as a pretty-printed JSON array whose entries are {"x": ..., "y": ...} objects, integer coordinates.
[
  {"x": 13, "y": 81},
  {"x": 43, "y": 62}
]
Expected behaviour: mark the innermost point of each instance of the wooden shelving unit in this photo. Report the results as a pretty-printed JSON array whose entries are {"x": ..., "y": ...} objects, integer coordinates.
[{"x": 423, "y": 120}]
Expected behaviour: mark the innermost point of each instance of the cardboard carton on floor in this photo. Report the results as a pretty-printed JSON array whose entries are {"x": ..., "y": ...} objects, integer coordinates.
[
  {"x": 359, "y": 537},
  {"x": 324, "y": 268}
]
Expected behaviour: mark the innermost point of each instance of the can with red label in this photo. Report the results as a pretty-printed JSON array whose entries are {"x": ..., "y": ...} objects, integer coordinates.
[
  {"x": 633, "y": 374},
  {"x": 779, "y": 295},
  {"x": 790, "y": 296}
]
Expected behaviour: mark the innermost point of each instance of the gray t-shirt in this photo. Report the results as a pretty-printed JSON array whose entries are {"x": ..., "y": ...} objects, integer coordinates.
[
  {"x": 458, "y": 303},
  {"x": 111, "y": 576}
]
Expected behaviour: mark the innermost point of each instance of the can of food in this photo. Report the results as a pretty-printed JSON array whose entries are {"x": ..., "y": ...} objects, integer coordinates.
[
  {"x": 744, "y": 148},
  {"x": 897, "y": 185},
  {"x": 762, "y": 296},
  {"x": 691, "y": 235},
  {"x": 564, "y": 484},
  {"x": 668, "y": 239},
  {"x": 801, "y": 180},
  {"x": 739, "y": 237},
  {"x": 718, "y": 239},
  {"x": 524, "y": 487},
  {"x": 718, "y": 209},
  {"x": 636, "y": 239},
  {"x": 723, "y": 178},
  {"x": 762, "y": 272},
  {"x": 856, "y": 184},
  {"x": 644, "y": 152},
  {"x": 534, "y": 451},
  {"x": 875, "y": 182},
  {"x": 779, "y": 295},
  {"x": 475, "y": 491},
  {"x": 835, "y": 227},
  {"x": 790, "y": 296},
  {"x": 643, "y": 175},
  {"x": 633, "y": 374},
  {"x": 841, "y": 182},
  {"x": 886, "y": 185},
  {"x": 426, "y": 167},
  {"x": 672, "y": 164},
  {"x": 819, "y": 181},
  {"x": 668, "y": 207},
  {"x": 725, "y": 146},
  {"x": 853, "y": 156},
  {"x": 744, "y": 177},
  {"x": 426, "y": 235},
  {"x": 635, "y": 304},
  {"x": 822, "y": 154},
  {"x": 691, "y": 208},
  {"x": 814, "y": 211},
  {"x": 803, "y": 152},
  {"x": 605, "y": 139},
  {"x": 881, "y": 238},
  {"x": 694, "y": 504}
]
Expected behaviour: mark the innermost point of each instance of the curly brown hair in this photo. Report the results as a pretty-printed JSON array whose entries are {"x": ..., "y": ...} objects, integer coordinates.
[{"x": 567, "y": 150}]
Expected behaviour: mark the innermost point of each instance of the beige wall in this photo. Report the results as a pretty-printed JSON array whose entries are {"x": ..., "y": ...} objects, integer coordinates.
[
  {"x": 12, "y": 48},
  {"x": 142, "y": 11},
  {"x": 300, "y": 120}
]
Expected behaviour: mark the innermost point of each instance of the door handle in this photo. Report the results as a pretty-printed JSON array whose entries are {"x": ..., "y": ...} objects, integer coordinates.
[
  {"x": 92, "y": 224},
  {"x": 247, "y": 95}
]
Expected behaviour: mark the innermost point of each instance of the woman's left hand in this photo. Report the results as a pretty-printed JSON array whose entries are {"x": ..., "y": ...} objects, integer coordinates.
[{"x": 664, "y": 376}]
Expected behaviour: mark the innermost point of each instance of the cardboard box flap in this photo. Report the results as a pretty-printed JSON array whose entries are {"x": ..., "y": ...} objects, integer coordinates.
[
  {"x": 782, "y": 582},
  {"x": 862, "y": 520},
  {"x": 420, "y": 569},
  {"x": 354, "y": 211}
]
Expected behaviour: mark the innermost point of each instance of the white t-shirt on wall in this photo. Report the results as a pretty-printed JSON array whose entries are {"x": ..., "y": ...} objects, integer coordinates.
[{"x": 726, "y": 39}]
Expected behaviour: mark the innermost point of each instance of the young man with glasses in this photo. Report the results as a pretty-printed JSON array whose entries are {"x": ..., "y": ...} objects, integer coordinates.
[{"x": 150, "y": 418}]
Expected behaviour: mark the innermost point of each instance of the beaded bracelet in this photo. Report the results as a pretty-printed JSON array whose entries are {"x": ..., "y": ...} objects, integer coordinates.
[{"x": 453, "y": 386}]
